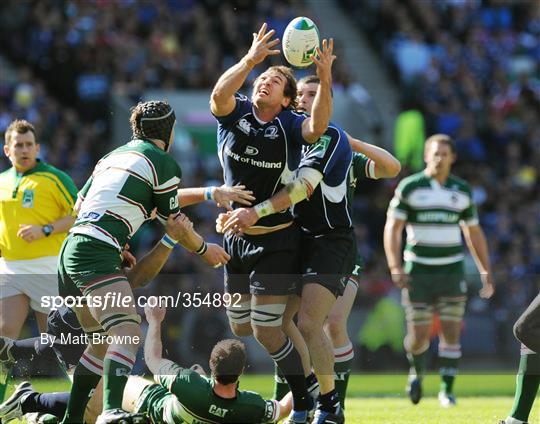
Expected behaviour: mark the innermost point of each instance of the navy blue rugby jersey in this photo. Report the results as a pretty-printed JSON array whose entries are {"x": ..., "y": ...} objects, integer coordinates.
[
  {"x": 261, "y": 155},
  {"x": 328, "y": 208}
]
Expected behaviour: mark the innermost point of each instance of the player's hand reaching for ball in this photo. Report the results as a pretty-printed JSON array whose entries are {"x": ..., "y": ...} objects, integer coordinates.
[
  {"x": 154, "y": 314},
  {"x": 261, "y": 47},
  {"x": 215, "y": 255},
  {"x": 323, "y": 60}
]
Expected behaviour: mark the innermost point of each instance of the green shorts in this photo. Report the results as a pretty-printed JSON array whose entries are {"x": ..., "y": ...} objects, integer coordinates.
[
  {"x": 435, "y": 288},
  {"x": 152, "y": 402},
  {"x": 86, "y": 264}
]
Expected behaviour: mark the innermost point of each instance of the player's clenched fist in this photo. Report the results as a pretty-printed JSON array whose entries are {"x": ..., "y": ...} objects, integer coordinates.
[{"x": 177, "y": 226}]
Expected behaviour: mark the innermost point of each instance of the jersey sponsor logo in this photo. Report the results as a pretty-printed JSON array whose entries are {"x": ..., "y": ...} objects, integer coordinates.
[
  {"x": 271, "y": 132},
  {"x": 244, "y": 126},
  {"x": 446, "y": 217},
  {"x": 320, "y": 146},
  {"x": 220, "y": 412},
  {"x": 252, "y": 151},
  {"x": 257, "y": 163},
  {"x": 122, "y": 372},
  {"x": 91, "y": 216},
  {"x": 270, "y": 411},
  {"x": 173, "y": 202},
  {"x": 28, "y": 198}
]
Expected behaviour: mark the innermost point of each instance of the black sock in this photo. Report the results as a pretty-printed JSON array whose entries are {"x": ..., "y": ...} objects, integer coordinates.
[
  {"x": 25, "y": 349},
  {"x": 49, "y": 403},
  {"x": 41, "y": 356},
  {"x": 289, "y": 362},
  {"x": 329, "y": 402}
]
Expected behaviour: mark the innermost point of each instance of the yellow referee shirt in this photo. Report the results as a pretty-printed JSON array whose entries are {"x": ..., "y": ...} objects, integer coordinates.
[{"x": 40, "y": 196}]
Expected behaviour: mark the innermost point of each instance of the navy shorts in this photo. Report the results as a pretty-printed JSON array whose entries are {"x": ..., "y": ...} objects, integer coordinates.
[
  {"x": 328, "y": 259},
  {"x": 266, "y": 264}
]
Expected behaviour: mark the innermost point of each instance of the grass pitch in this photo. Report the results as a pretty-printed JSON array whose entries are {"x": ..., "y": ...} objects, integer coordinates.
[{"x": 380, "y": 399}]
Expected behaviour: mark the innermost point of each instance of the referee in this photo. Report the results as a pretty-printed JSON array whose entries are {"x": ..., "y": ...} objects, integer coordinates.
[{"x": 36, "y": 211}]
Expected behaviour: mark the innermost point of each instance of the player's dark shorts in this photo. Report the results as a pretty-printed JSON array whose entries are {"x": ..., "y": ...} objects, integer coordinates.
[
  {"x": 430, "y": 282},
  {"x": 266, "y": 264},
  {"x": 86, "y": 264},
  {"x": 434, "y": 288},
  {"x": 328, "y": 259},
  {"x": 63, "y": 324}
]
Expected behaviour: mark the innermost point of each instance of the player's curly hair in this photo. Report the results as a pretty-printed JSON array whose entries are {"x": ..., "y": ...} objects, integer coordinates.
[
  {"x": 152, "y": 120},
  {"x": 228, "y": 360},
  {"x": 289, "y": 90}
]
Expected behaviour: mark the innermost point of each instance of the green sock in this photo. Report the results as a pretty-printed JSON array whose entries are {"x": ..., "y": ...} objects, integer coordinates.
[
  {"x": 116, "y": 369},
  {"x": 281, "y": 387},
  {"x": 343, "y": 358},
  {"x": 418, "y": 363},
  {"x": 448, "y": 371},
  {"x": 85, "y": 379},
  {"x": 527, "y": 382},
  {"x": 5, "y": 376}
]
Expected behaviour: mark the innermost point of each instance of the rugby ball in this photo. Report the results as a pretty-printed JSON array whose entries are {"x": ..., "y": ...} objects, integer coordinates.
[{"x": 300, "y": 39}]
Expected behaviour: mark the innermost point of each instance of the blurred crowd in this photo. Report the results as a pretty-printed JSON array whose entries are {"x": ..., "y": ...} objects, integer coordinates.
[{"x": 470, "y": 69}]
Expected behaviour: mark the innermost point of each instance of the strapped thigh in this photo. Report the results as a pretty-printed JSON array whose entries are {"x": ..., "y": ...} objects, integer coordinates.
[{"x": 270, "y": 315}]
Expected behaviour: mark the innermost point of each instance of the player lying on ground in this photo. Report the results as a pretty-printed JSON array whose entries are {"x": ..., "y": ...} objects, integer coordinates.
[{"x": 179, "y": 395}]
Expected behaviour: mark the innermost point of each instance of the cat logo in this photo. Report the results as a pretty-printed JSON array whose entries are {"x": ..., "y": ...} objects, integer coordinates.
[
  {"x": 220, "y": 412},
  {"x": 252, "y": 151},
  {"x": 271, "y": 132}
]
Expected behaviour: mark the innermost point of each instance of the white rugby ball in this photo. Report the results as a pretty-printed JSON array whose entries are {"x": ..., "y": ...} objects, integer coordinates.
[{"x": 300, "y": 39}]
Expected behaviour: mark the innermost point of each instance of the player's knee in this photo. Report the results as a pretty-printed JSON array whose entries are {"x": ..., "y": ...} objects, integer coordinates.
[
  {"x": 128, "y": 333},
  {"x": 9, "y": 329},
  {"x": 335, "y": 326},
  {"x": 520, "y": 329},
  {"x": 241, "y": 330},
  {"x": 308, "y": 328}
]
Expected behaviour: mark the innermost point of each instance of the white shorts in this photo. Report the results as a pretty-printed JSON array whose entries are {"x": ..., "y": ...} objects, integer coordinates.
[{"x": 33, "y": 277}]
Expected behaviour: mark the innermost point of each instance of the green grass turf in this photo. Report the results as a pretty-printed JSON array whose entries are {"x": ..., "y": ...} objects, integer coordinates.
[{"x": 380, "y": 399}]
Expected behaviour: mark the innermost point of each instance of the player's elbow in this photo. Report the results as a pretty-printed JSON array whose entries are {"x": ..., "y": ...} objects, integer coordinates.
[{"x": 393, "y": 168}]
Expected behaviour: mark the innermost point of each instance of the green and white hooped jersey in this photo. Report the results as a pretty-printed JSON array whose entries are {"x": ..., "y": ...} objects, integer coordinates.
[
  {"x": 126, "y": 185},
  {"x": 191, "y": 399},
  {"x": 433, "y": 213}
]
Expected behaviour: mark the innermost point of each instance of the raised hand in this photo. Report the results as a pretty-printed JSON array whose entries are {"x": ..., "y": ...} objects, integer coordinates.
[
  {"x": 261, "y": 47},
  {"x": 323, "y": 60}
]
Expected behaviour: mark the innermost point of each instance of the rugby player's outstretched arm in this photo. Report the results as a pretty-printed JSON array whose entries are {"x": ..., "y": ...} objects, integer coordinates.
[
  {"x": 386, "y": 165},
  {"x": 150, "y": 265},
  {"x": 315, "y": 126},
  {"x": 222, "y": 101},
  {"x": 153, "y": 347},
  {"x": 300, "y": 188}
]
